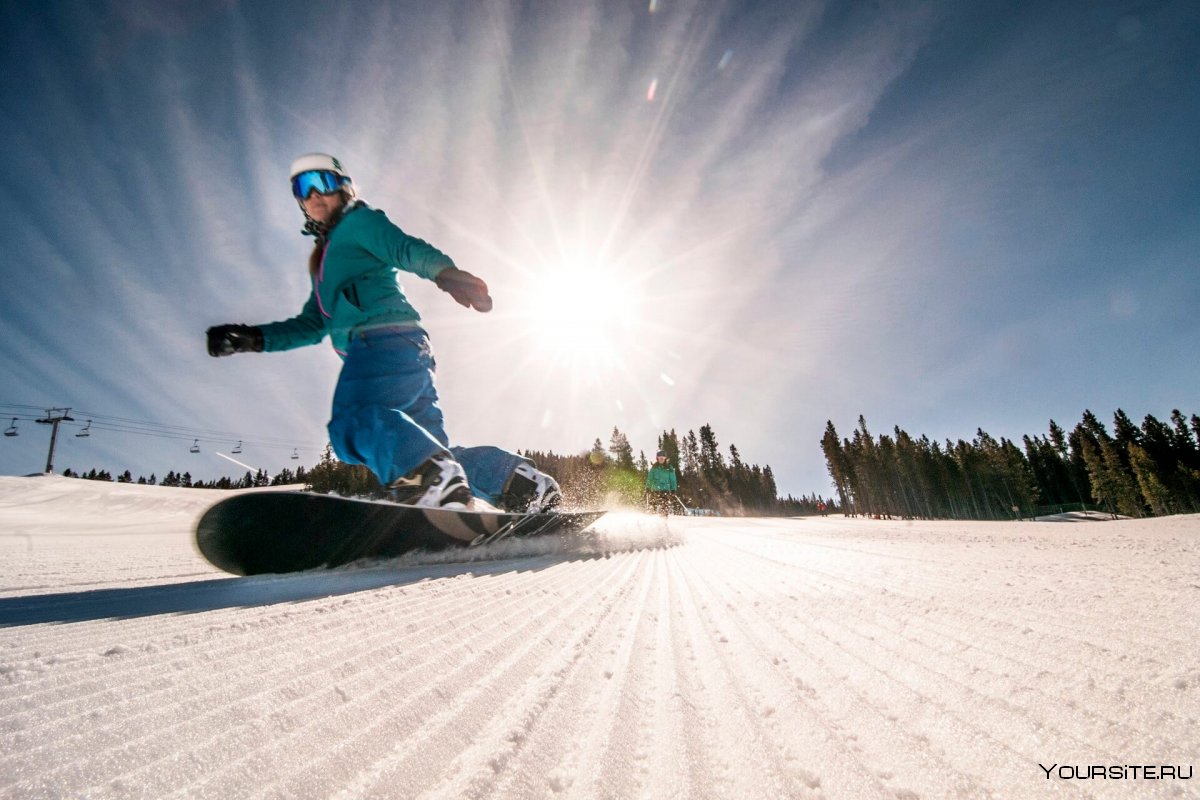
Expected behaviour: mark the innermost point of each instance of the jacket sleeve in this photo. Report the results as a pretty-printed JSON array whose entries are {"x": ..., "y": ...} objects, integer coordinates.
[
  {"x": 674, "y": 481},
  {"x": 308, "y": 327},
  {"x": 393, "y": 246}
]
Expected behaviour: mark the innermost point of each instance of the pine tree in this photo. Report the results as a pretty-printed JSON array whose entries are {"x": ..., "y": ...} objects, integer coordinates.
[
  {"x": 870, "y": 470},
  {"x": 331, "y": 476},
  {"x": 1154, "y": 491},
  {"x": 950, "y": 477},
  {"x": 669, "y": 444},
  {"x": 1187, "y": 481},
  {"x": 1050, "y": 470},
  {"x": 1187, "y": 451},
  {"x": 712, "y": 467},
  {"x": 712, "y": 464},
  {"x": 320, "y": 477},
  {"x": 1111, "y": 484},
  {"x": 888, "y": 473},
  {"x": 1080, "y": 477},
  {"x": 622, "y": 451},
  {"x": 597, "y": 456},
  {"x": 913, "y": 482},
  {"x": 944, "y": 480},
  {"x": 737, "y": 480},
  {"x": 770, "y": 491},
  {"x": 839, "y": 465},
  {"x": 691, "y": 478},
  {"x": 1125, "y": 433}
]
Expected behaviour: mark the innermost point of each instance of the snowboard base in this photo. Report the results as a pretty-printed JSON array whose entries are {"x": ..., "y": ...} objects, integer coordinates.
[{"x": 277, "y": 532}]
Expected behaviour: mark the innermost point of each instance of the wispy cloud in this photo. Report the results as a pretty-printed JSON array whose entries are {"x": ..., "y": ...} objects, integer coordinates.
[{"x": 821, "y": 210}]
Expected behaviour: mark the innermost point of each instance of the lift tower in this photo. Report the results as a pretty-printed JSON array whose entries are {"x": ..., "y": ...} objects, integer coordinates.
[{"x": 54, "y": 416}]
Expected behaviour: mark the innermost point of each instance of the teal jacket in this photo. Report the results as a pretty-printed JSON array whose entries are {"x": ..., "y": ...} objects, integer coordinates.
[
  {"x": 357, "y": 286},
  {"x": 661, "y": 479}
]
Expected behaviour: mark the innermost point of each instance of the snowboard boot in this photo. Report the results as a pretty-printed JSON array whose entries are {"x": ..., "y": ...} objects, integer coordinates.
[
  {"x": 440, "y": 482},
  {"x": 530, "y": 491}
]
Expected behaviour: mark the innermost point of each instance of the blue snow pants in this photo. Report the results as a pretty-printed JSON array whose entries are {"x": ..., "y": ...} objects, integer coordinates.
[{"x": 386, "y": 414}]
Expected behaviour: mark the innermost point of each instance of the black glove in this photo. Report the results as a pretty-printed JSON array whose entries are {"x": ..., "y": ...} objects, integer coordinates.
[
  {"x": 225, "y": 340},
  {"x": 465, "y": 288}
]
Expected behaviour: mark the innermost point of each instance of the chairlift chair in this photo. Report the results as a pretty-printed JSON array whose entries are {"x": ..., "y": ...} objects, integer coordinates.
[
  {"x": 195, "y": 448},
  {"x": 238, "y": 449},
  {"x": 86, "y": 430},
  {"x": 11, "y": 430},
  {"x": 295, "y": 454}
]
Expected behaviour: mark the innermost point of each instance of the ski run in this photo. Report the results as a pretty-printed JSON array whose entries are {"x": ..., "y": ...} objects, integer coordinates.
[{"x": 687, "y": 658}]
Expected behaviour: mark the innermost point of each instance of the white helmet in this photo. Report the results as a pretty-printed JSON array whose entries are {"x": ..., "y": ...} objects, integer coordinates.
[{"x": 321, "y": 163}]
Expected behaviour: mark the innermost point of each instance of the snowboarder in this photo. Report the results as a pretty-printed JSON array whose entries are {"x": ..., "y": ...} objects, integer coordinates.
[
  {"x": 661, "y": 484},
  {"x": 385, "y": 407}
]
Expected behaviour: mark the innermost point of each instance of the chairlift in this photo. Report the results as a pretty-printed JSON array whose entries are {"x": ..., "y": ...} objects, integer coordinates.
[
  {"x": 295, "y": 454},
  {"x": 195, "y": 448},
  {"x": 11, "y": 430},
  {"x": 237, "y": 449},
  {"x": 86, "y": 430}
]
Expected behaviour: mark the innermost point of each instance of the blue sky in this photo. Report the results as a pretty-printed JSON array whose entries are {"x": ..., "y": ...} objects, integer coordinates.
[{"x": 757, "y": 215}]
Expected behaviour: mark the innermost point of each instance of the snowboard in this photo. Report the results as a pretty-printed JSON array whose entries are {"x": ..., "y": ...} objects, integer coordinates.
[{"x": 277, "y": 532}]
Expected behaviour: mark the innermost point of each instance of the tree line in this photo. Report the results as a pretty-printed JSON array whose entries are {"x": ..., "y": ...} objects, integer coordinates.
[
  {"x": 184, "y": 479},
  {"x": 1136, "y": 471},
  {"x": 612, "y": 475}
]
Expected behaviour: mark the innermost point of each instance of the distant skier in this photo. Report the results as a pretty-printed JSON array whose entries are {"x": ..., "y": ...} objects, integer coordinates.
[
  {"x": 661, "y": 484},
  {"x": 385, "y": 410}
]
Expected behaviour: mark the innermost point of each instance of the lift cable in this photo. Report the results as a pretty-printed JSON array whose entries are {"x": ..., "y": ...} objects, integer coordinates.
[{"x": 103, "y": 422}]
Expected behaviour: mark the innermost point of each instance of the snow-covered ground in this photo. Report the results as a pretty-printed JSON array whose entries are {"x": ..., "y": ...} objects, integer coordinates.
[{"x": 706, "y": 658}]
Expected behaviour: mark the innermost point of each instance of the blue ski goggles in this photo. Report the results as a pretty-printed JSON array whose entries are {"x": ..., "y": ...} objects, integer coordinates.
[{"x": 321, "y": 181}]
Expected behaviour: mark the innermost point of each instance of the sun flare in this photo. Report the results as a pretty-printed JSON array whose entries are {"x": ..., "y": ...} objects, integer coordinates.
[{"x": 584, "y": 312}]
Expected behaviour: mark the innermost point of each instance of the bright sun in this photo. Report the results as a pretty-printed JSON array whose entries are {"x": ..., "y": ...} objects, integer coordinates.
[{"x": 584, "y": 312}]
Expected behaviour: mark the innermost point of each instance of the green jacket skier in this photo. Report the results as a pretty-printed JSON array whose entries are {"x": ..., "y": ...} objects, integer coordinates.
[
  {"x": 661, "y": 477},
  {"x": 661, "y": 484}
]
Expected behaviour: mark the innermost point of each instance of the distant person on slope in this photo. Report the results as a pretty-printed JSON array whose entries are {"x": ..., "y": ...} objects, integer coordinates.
[
  {"x": 385, "y": 410},
  {"x": 661, "y": 484}
]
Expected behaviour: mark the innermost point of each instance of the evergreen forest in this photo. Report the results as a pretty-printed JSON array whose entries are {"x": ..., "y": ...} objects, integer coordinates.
[
  {"x": 611, "y": 475},
  {"x": 710, "y": 481},
  {"x": 1151, "y": 469},
  {"x": 1136, "y": 471}
]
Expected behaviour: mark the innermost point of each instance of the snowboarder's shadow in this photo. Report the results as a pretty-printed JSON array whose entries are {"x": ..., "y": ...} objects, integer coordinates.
[{"x": 249, "y": 592}]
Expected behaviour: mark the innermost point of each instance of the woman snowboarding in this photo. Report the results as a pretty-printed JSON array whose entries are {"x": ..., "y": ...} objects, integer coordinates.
[{"x": 385, "y": 407}]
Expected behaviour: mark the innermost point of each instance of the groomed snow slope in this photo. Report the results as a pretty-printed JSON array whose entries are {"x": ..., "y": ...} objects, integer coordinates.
[{"x": 700, "y": 658}]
